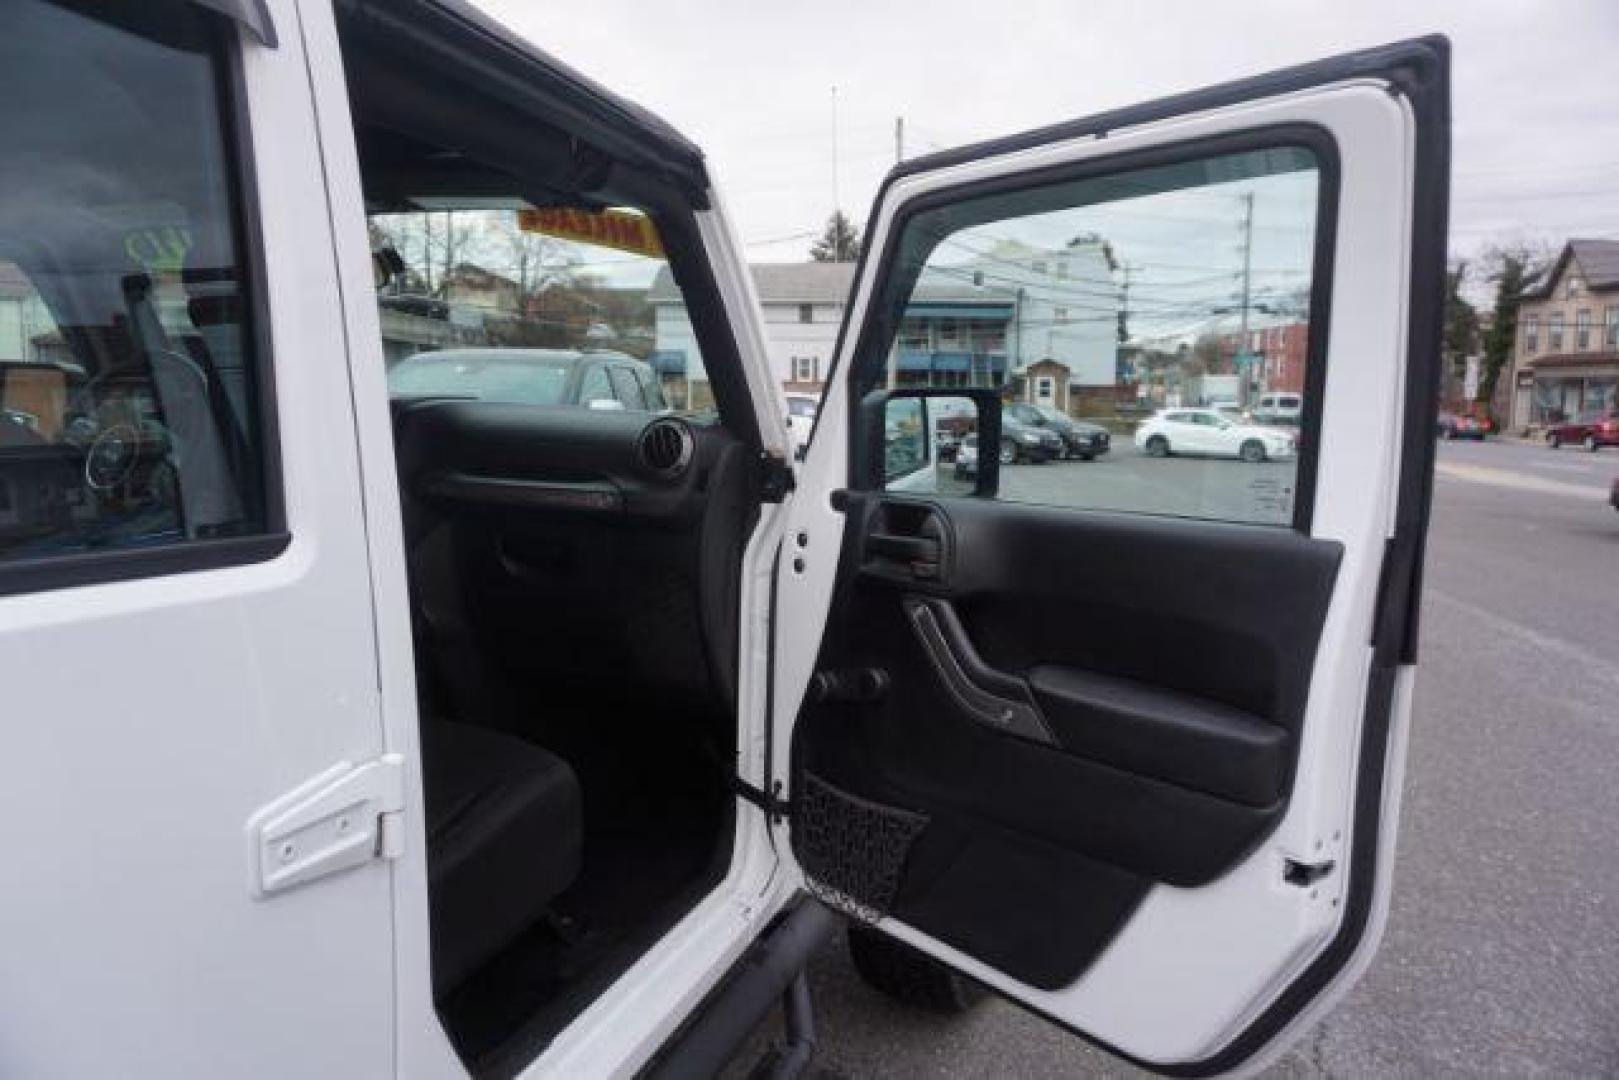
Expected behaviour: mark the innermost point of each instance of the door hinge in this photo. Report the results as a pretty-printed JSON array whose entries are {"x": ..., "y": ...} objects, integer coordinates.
[
  {"x": 345, "y": 817},
  {"x": 775, "y": 478},
  {"x": 776, "y": 808}
]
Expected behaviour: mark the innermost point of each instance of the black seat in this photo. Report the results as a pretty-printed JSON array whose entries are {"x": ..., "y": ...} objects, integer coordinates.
[{"x": 504, "y": 829}]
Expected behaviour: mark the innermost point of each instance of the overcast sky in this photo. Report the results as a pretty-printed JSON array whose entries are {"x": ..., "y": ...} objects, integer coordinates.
[{"x": 1536, "y": 87}]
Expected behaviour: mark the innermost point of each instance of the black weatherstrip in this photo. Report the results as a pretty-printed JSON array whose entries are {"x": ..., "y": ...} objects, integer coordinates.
[{"x": 254, "y": 15}]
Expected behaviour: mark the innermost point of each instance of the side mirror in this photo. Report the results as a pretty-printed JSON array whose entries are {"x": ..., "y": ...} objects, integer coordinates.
[{"x": 910, "y": 440}]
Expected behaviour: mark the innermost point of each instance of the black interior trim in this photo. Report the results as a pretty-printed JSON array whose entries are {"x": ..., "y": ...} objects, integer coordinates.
[
  {"x": 1007, "y": 707},
  {"x": 589, "y": 497},
  {"x": 1172, "y": 736},
  {"x": 1170, "y": 660},
  {"x": 454, "y": 35}
]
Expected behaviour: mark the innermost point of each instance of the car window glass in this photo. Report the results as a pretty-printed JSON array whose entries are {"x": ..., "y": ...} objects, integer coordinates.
[
  {"x": 1185, "y": 284},
  {"x": 516, "y": 296},
  {"x": 626, "y": 389},
  {"x": 595, "y": 386},
  {"x": 128, "y": 381},
  {"x": 651, "y": 392}
]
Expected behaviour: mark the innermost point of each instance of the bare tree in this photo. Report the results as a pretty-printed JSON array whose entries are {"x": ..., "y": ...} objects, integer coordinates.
[{"x": 1514, "y": 267}]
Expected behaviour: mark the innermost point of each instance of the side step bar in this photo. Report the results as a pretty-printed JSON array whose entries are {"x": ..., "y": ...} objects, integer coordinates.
[{"x": 771, "y": 971}]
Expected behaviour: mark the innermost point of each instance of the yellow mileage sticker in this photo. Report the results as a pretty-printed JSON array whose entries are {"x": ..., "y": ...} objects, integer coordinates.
[{"x": 623, "y": 230}]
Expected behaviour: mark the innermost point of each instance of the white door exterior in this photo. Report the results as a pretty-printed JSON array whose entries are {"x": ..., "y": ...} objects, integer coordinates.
[{"x": 150, "y": 719}]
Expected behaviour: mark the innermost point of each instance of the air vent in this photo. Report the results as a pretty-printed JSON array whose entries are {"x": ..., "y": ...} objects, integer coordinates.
[{"x": 666, "y": 447}]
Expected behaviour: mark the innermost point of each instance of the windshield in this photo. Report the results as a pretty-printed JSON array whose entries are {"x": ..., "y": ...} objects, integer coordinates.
[{"x": 512, "y": 377}]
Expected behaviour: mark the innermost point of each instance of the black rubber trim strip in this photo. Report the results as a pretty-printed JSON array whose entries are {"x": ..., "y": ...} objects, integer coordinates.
[
  {"x": 126, "y": 564},
  {"x": 253, "y": 15}
]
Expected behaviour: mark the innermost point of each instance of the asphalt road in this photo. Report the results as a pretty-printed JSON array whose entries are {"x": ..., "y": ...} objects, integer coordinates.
[
  {"x": 1223, "y": 489},
  {"x": 1502, "y": 954}
]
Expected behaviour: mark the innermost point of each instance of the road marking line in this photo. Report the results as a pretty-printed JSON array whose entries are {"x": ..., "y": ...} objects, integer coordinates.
[
  {"x": 1592, "y": 666},
  {"x": 1483, "y": 474}
]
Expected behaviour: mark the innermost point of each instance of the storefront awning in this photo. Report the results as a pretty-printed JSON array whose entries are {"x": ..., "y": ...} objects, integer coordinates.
[
  {"x": 915, "y": 361},
  {"x": 986, "y": 311}
]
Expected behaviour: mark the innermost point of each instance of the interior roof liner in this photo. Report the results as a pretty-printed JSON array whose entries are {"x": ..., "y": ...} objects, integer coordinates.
[{"x": 457, "y": 36}]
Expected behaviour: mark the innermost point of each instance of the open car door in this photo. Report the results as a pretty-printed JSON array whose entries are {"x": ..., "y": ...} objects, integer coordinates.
[{"x": 1122, "y": 738}]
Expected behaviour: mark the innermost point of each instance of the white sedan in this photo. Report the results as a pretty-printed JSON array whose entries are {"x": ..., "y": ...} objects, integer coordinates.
[{"x": 1208, "y": 432}]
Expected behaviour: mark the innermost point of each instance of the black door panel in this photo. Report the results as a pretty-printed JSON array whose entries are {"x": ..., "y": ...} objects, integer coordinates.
[
  {"x": 1164, "y": 734},
  {"x": 1151, "y": 675}
]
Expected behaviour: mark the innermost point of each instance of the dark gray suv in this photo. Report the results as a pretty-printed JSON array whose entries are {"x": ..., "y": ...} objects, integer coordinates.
[{"x": 1079, "y": 439}]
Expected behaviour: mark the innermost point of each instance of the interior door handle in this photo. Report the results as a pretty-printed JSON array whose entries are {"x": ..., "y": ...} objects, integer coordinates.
[
  {"x": 964, "y": 675},
  {"x": 906, "y": 548}
]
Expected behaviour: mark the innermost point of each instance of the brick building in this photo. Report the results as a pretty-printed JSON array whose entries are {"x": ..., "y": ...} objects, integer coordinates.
[
  {"x": 1565, "y": 360},
  {"x": 1282, "y": 347}
]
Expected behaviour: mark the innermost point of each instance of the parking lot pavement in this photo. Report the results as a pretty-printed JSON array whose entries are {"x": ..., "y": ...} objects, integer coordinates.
[
  {"x": 1501, "y": 957},
  {"x": 1223, "y": 489}
]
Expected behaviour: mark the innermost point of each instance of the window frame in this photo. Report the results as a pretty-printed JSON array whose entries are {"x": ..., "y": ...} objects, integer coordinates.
[
  {"x": 621, "y": 377},
  {"x": 806, "y": 313},
  {"x": 1610, "y": 326},
  {"x": 880, "y": 325},
  {"x": 1582, "y": 329},
  {"x": 589, "y": 370},
  {"x": 47, "y": 573},
  {"x": 1556, "y": 323},
  {"x": 1531, "y": 332}
]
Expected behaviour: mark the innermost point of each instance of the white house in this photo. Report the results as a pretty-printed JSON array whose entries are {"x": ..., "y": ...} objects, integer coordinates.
[
  {"x": 968, "y": 323},
  {"x": 803, "y": 307},
  {"x": 1068, "y": 306}
]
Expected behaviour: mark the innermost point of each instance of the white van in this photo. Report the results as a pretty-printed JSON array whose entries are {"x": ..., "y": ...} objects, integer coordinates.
[
  {"x": 1280, "y": 408},
  {"x": 441, "y": 733}
]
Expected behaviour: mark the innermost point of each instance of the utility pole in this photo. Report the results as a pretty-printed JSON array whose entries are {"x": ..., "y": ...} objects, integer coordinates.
[
  {"x": 899, "y": 139},
  {"x": 1122, "y": 330},
  {"x": 1124, "y": 300},
  {"x": 837, "y": 203},
  {"x": 1243, "y": 371}
]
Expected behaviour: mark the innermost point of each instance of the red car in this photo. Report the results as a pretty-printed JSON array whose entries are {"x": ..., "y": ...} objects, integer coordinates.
[
  {"x": 1461, "y": 426},
  {"x": 1590, "y": 430}
]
